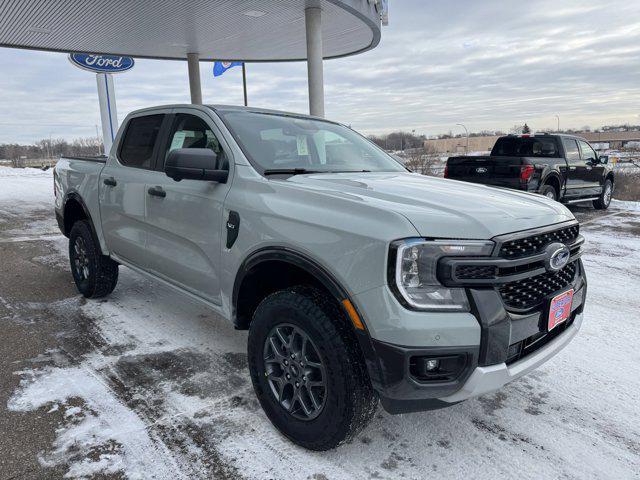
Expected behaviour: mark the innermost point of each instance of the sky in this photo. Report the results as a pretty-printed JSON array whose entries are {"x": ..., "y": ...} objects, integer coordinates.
[{"x": 487, "y": 64}]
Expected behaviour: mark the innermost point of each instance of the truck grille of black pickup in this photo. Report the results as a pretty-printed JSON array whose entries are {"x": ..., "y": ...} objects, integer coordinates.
[
  {"x": 533, "y": 244},
  {"x": 531, "y": 292}
]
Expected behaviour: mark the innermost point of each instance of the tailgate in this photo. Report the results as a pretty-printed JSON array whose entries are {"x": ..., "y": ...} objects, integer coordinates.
[{"x": 502, "y": 171}]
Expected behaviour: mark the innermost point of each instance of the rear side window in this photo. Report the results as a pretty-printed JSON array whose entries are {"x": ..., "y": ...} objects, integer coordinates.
[
  {"x": 139, "y": 141},
  {"x": 571, "y": 150}
]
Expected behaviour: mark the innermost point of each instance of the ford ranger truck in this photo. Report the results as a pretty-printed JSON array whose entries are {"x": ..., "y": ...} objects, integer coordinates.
[
  {"x": 359, "y": 282},
  {"x": 562, "y": 167}
]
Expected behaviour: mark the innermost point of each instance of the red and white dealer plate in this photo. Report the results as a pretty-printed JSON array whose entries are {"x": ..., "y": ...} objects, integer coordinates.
[{"x": 560, "y": 309}]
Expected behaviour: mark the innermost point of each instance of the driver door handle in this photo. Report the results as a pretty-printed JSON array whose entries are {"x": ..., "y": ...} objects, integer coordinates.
[
  {"x": 111, "y": 182},
  {"x": 157, "y": 192}
]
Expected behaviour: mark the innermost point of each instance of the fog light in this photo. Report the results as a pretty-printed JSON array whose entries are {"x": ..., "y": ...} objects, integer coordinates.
[
  {"x": 432, "y": 365},
  {"x": 437, "y": 369}
]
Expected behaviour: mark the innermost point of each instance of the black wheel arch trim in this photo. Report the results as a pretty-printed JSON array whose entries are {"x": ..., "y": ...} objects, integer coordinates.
[
  {"x": 553, "y": 174},
  {"x": 334, "y": 287},
  {"x": 75, "y": 196}
]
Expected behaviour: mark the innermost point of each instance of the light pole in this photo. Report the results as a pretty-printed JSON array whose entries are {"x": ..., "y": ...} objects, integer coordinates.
[
  {"x": 467, "y": 134},
  {"x": 558, "y": 118}
]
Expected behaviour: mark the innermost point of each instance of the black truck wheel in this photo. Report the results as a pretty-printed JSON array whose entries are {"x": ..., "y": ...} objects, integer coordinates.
[
  {"x": 549, "y": 191},
  {"x": 602, "y": 203},
  {"x": 96, "y": 275},
  {"x": 307, "y": 370}
]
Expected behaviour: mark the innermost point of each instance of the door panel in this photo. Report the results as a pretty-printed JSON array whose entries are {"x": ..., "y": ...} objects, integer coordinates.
[
  {"x": 185, "y": 226},
  {"x": 184, "y": 233},
  {"x": 594, "y": 169},
  {"x": 122, "y": 189},
  {"x": 575, "y": 179}
]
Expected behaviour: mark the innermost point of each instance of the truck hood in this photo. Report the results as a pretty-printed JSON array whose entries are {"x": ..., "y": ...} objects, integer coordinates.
[{"x": 438, "y": 207}]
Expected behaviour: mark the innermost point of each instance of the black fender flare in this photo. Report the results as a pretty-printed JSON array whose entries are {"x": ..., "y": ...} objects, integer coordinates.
[
  {"x": 334, "y": 287},
  {"x": 72, "y": 194},
  {"x": 552, "y": 174}
]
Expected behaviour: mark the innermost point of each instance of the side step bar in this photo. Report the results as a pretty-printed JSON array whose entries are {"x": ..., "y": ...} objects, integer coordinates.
[{"x": 580, "y": 200}]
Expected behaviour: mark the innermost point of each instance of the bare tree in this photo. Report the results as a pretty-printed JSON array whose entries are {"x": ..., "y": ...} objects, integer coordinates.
[{"x": 422, "y": 160}]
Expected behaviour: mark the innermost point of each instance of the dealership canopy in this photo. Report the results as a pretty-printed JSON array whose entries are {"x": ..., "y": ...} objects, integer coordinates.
[{"x": 248, "y": 30}]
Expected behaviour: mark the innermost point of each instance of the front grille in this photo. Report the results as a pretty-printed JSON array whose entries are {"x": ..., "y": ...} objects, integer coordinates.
[
  {"x": 531, "y": 292},
  {"x": 466, "y": 272},
  {"x": 534, "y": 244}
]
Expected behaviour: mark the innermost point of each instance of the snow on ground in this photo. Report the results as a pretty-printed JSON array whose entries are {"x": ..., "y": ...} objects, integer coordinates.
[{"x": 155, "y": 386}]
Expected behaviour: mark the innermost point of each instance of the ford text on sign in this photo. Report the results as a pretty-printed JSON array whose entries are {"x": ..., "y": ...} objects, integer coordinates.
[{"x": 101, "y": 63}]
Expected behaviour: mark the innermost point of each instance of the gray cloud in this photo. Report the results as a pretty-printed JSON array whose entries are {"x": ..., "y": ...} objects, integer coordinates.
[{"x": 488, "y": 64}]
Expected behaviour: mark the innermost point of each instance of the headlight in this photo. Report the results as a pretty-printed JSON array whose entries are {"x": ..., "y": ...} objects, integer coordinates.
[{"x": 415, "y": 263}]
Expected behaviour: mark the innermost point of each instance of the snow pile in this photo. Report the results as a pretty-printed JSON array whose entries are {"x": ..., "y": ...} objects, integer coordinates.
[{"x": 6, "y": 172}]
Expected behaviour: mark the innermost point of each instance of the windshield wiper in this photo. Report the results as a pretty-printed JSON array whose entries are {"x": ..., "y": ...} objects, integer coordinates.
[{"x": 288, "y": 171}]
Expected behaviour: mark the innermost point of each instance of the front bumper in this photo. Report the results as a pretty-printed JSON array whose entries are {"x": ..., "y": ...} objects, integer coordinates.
[
  {"x": 491, "y": 378},
  {"x": 485, "y": 365},
  {"x": 403, "y": 394}
]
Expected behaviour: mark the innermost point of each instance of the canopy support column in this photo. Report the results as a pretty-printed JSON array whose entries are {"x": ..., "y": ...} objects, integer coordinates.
[
  {"x": 193, "y": 64},
  {"x": 108, "y": 111},
  {"x": 313, "y": 22}
]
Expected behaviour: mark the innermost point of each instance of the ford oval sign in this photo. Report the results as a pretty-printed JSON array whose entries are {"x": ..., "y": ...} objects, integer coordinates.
[{"x": 101, "y": 63}]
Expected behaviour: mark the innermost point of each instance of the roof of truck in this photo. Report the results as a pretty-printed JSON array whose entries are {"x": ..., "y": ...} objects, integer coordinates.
[
  {"x": 228, "y": 108},
  {"x": 545, "y": 134}
]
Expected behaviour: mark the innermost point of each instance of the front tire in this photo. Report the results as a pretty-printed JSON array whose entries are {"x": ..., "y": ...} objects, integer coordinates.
[
  {"x": 96, "y": 275},
  {"x": 602, "y": 203},
  {"x": 307, "y": 370},
  {"x": 549, "y": 191}
]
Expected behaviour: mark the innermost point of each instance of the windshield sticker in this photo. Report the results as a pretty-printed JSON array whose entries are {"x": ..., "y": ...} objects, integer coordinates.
[{"x": 303, "y": 149}]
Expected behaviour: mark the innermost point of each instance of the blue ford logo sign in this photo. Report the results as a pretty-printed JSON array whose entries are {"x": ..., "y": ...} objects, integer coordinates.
[
  {"x": 101, "y": 63},
  {"x": 481, "y": 170},
  {"x": 558, "y": 255}
]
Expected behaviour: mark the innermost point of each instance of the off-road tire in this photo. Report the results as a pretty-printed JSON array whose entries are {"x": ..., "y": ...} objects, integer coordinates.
[
  {"x": 350, "y": 401},
  {"x": 99, "y": 274},
  {"x": 548, "y": 190},
  {"x": 602, "y": 203}
]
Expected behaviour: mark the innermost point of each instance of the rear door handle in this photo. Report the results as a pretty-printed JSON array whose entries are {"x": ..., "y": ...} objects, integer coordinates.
[
  {"x": 157, "y": 192},
  {"x": 111, "y": 182}
]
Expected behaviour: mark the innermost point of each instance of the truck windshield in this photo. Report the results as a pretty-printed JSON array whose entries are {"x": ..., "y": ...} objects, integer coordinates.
[
  {"x": 277, "y": 143},
  {"x": 525, "y": 147}
]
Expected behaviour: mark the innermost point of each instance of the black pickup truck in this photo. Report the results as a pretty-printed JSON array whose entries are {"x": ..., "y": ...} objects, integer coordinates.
[{"x": 562, "y": 167}]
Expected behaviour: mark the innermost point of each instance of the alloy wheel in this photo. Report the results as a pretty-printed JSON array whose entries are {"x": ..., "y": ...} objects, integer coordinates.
[
  {"x": 295, "y": 371},
  {"x": 81, "y": 259},
  {"x": 607, "y": 194}
]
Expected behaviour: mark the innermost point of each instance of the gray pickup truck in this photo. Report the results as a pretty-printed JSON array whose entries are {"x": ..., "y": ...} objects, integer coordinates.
[{"x": 359, "y": 282}]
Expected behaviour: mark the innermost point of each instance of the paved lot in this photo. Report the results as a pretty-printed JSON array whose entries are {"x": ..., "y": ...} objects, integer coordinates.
[{"x": 147, "y": 384}]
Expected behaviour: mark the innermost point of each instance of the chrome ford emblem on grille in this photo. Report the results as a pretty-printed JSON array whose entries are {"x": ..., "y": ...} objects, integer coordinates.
[
  {"x": 558, "y": 255},
  {"x": 481, "y": 170}
]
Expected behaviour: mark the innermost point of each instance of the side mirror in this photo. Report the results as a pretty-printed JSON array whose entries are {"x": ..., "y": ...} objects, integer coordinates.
[
  {"x": 604, "y": 159},
  {"x": 194, "y": 164}
]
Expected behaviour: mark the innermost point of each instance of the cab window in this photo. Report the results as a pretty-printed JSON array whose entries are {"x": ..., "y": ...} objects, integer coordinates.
[
  {"x": 190, "y": 131},
  {"x": 588, "y": 153},
  {"x": 571, "y": 150},
  {"x": 139, "y": 141}
]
